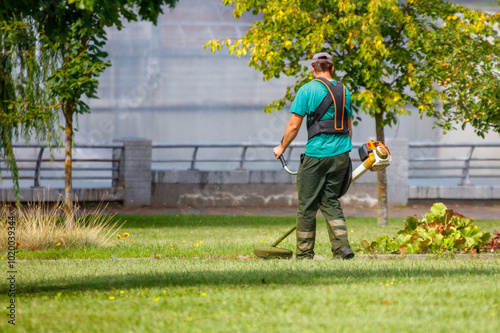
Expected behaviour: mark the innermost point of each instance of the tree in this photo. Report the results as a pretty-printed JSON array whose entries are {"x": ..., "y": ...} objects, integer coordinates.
[
  {"x": 430, "y": 54},
  {"x": 25, "y": 107},
  {"x": 74, "y": 31}
]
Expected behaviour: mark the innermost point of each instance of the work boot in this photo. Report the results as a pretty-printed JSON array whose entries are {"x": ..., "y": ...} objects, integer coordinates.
[{"x": 344, "y": 253}]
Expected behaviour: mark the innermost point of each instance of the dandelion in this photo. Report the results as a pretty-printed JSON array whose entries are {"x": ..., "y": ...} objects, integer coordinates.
[
  {"x": 111, "y": 297},
  {"x": 164, "y": 291},
  {"x": 122, "y": 291},
  {"x": 197, "y": 245},
  {"x": 58, "y": 244},
  {"x": 201, "y": 242},
  {"x": 126, "y": 234},
  {"x": 262, "y": 241},
  {"x": 352, "y": 230},
  {"x": 203, "y": 294},
  {"x": 118, "y": 236},
  {"x": 184, "y": 241},
  {"x": 157, "y": 299}
]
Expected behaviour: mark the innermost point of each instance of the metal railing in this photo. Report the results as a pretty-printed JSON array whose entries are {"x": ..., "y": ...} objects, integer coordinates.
[
  {"x": 452, "y": 161},
  {"x": 455, "y": 161},
  {"x": 243, "y": 156},
  {"x": 460, "y": 163},
  {"x": 51, "y": 168}
]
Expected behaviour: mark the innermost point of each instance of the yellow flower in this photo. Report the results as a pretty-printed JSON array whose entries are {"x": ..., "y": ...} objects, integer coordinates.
[
  {"x": 157, "y": 299},
  {"x": 111, "y": 297},
  {"x": 203, "y": 294},
  {"x": 126, "y": 234},
  {"x": 352, "y": 230},
  {"x": 118, "y": 236},
  {"x": 58, "y": 244},
  {"x": 122, "y": 291}
]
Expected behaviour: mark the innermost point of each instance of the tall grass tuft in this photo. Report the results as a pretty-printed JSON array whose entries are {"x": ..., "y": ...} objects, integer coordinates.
[{"x": 40, "y": 226}]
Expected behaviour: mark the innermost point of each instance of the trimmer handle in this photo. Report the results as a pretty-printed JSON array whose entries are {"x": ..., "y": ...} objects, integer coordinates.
[{"x": 283, "y": 163}]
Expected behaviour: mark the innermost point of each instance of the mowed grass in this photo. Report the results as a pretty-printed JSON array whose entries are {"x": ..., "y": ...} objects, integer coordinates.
[
  {"x": 230, "y": 295},
  {"x": 197, "y": 285},
  {"x": 212, "y": 236}
]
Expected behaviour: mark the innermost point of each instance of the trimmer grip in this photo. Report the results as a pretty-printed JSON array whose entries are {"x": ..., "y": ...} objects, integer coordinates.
[{"x": 282, "y": 160}]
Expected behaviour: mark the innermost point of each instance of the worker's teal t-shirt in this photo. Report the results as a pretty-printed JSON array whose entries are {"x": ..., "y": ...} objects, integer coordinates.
[{"x": 307, "y": 100}]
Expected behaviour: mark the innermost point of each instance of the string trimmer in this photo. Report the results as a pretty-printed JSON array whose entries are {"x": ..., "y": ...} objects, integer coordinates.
[{"x": 374, "y": 155}]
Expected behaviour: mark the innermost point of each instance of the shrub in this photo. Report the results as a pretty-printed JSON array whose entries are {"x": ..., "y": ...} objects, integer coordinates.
[
  {"x": 41, "y": 226},
  {"x": 442, "y": 230},
  {"x": 494, "y": 244}
]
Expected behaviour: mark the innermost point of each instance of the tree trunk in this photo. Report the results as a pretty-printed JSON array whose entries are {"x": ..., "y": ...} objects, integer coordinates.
[
  {"x": 383, "y": 210},
  {"x": 68, "y": 167}
]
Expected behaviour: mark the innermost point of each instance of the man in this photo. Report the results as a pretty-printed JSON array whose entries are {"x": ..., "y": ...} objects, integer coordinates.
[{"x": 326, "y": 162}]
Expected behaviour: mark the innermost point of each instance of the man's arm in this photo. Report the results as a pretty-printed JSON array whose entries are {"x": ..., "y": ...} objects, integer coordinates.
[{"x": 291, "y": 131}]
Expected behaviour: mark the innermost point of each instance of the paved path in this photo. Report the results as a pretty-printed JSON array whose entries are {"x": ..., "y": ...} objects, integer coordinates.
[{"x": 476, "y": 211}]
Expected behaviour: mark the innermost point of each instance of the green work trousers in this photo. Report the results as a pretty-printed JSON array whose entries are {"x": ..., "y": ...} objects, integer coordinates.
[{"x": 319, "y": 181}]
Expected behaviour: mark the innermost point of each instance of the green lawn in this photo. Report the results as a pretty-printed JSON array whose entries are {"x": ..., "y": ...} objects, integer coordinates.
[
  {"x": 200, "y": 288},
  {"x": 208, "y": 236}
]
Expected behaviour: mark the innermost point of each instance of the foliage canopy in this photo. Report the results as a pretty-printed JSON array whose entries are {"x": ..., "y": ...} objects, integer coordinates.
[
  {"x": 63, "y": 59},
  {"x": 432, "y": 55}
]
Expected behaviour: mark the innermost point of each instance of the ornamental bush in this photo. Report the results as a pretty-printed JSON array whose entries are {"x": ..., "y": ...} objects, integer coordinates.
[
  {"x": 41, "y": 226},
  {"x": 442, "y": 230},
  {"x": 494, "y": 244}
]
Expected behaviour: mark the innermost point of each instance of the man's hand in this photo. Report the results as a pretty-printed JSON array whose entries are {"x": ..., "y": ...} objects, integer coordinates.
[
  {"x": 278, "y": 151},
  {"x": 292, "y": 128}
]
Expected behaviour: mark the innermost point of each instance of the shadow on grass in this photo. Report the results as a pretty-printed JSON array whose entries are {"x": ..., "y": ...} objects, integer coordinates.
[{"x": 257, "y": 277}]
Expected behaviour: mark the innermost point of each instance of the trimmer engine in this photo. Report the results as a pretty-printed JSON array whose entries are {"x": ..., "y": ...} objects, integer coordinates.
[{"x": 377, "y": 154}]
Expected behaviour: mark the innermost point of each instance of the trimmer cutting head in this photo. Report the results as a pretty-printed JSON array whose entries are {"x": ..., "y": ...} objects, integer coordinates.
[{"x": 269, "y": 252}]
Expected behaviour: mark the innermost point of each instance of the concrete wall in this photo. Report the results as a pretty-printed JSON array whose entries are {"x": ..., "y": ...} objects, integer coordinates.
[{"x": 164, "y": 86}]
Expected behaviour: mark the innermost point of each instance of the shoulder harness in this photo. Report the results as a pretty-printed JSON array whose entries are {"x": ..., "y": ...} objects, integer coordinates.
[{"x": 335, "y": 95}]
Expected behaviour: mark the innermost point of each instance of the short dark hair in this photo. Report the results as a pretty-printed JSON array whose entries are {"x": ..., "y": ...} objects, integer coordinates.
[{"x": 322, "y": 67}]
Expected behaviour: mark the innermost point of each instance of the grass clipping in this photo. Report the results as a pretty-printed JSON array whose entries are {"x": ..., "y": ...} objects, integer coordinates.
[{"x": 39, "y": 226}]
